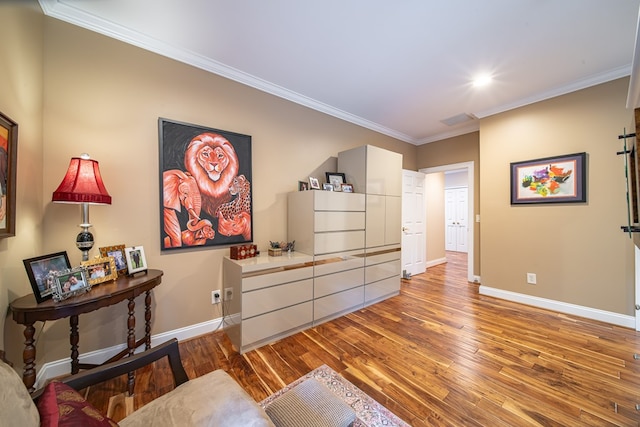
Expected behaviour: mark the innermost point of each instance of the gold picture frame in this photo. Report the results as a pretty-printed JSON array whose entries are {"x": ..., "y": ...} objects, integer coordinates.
[
  {"x": 117, "y": 252},
  {"x": 100, "y": 270}
]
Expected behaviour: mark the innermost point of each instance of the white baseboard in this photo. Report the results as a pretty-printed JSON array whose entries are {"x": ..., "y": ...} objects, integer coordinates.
[
  {"x": 435, "y": 262},
  {"x": 61, "y": 367},
  {"x": 562, "y": 307}
]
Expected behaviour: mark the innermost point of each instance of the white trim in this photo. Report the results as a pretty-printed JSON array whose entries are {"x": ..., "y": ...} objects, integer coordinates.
[
  {"x": 60, "y": 367},
  {"x": 561, "y": 307},
  {"x": 469, "y": 166},
  {"x": 435, "y": 262}
]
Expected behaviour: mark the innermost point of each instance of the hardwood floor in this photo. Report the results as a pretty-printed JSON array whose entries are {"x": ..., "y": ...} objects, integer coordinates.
[{"x": 440, "y": 354}]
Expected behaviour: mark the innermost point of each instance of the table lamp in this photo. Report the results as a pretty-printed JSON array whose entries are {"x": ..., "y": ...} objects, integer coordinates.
[{"x": 83, "y": 184}]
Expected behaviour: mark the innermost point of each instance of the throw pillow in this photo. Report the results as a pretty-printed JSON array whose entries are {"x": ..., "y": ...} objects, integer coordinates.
[{"x": 60, "y": 405}]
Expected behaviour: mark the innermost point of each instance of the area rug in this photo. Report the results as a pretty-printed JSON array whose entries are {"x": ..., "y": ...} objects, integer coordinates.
[{"x": 369, "y": 413}]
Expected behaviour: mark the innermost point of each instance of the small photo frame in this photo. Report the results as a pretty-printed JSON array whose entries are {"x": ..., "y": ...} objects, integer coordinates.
[
  {"x": 71, "y": 283},
  {"x": 336, "y": 179},
  {"x": 558, "y": 179},
  {"x": 100, "y": 270},
  {"x": 136, "y": 261},
  {"x": 117, "y": 252},
  {"x": 327, "y": 187},
  {"x": 347, "y": 188},
  {"x": 314, "y": 183},
  {"x": 42, "y": 270},
  {"x": 303, "y": 186}
]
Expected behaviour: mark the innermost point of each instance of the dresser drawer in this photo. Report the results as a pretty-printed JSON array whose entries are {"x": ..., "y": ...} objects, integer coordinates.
[
  {"x": 266, "y": 278},
  {"x": 338, "y": 241},
  {"x": 376, "y": 272},
  {"x": 269, "y": 299},
  {"x": 380, "y": 290},
  {"x": 331, "y": 305},
  {"x": 335, "y": 263},
  {"x": 338, "y": 221},
  {"x": 276, "y": 322},
  {"x": 337, "y": 282},
  {"x": 337, "y": 201}
]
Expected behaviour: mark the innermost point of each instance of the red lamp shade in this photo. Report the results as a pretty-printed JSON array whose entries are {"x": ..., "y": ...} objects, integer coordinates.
[{"x": 82, "y": 183}]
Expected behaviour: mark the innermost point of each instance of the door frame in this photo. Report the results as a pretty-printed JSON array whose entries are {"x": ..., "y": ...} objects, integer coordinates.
[{"x": 469, "y": 166}]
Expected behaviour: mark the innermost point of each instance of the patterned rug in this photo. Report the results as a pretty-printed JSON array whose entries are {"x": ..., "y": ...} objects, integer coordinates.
[{"x": 369, "y": 413}]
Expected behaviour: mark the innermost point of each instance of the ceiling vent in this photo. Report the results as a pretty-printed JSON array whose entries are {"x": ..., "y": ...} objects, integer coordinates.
[{"x": 460, "y": 118}]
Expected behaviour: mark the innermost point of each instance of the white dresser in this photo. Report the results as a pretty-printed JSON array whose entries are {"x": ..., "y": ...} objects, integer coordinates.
[
  {"x": 377, "y": 173},
  {"x": 276, "y": 297},
  {"x": 331, "y": 226}
]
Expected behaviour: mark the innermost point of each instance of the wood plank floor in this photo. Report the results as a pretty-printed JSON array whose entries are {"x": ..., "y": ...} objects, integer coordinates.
[{"x": 440, "y": 354}]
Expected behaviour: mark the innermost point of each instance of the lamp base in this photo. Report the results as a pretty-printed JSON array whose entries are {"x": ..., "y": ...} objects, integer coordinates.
[{"x": 84, "y": 242}]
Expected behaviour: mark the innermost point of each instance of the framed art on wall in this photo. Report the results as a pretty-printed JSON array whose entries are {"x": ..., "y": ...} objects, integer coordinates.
[
  {"x": 42, "y": 270},
  {"x": 558, "y": 179},
  {"x": 8, "y": 165},
  {"x": 205, "y": 186}
]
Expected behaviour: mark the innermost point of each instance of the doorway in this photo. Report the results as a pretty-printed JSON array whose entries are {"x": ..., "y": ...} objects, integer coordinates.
[{"x": 469, "y": 168}]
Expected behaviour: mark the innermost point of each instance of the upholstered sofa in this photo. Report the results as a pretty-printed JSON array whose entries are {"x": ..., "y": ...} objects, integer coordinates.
[{"x": 214, "y": 399}]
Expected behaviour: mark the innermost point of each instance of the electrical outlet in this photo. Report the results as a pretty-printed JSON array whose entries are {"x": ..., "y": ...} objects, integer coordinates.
[
  {"x": 228, "y": 294},
  {"x": 216, "y": 297},
  {"x": 531, "y": 278}
]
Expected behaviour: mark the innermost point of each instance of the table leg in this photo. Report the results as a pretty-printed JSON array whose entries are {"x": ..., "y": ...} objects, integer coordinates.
[
  {"x": 147, "y": 320},
  {"x": 131, "y": 340},
  {"x": 74, "y": 338},
  {"x": 29, "y": 358}
]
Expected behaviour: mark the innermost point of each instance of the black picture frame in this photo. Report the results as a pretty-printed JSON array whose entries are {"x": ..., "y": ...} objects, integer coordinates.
[
  {"x": 557, "y": 179},
  {"x": 336, "y": 179},
  {"x": 205, "y": 186},
  {"x": 8, "y": 165},
  {"x": 42, "y": 271}
]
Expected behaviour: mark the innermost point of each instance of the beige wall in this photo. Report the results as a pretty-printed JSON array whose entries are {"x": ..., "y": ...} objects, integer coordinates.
[
  {"x": 578, "y": 251},
  {"x": 459, "y": 149},
  {"x": 21, "y": 100},
  {"x": 73, "y": 91},
  {"x": 434, "y": 191},
  {"x": 104, "y": 97}
]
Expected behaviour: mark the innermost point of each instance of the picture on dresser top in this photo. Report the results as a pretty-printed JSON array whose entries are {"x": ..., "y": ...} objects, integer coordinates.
[{"x": 205, "y": 186}]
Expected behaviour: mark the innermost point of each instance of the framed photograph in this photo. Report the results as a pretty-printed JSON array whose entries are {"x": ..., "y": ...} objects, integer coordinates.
[
  {"x": 136, "y": 261},
  {"x": 8, "y": 165},
  {"x": 303, "y": 186},
  {"x": 41, "y": 272},
  {"x": 314, "y": 183},
  {"x": 327, "y": 187},
  {"x": 70, "y": 283},
  {"x": 336, "y": 179},
  {"x": 205, "y": 186},
  {"x": 559, "y": 179},
  {"x": 117, "y": 252},
  {"x": 347, "y": 188},
  {"x": 100, "y": 270}
]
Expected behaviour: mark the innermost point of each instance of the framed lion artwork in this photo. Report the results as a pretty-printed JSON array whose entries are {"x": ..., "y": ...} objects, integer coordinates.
[{"x": 205, "y": 186}]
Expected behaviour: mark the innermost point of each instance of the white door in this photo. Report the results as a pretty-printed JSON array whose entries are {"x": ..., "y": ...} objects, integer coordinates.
[
  {"x": 414, "y": 239},
  {"x": 456, "y": 219}
]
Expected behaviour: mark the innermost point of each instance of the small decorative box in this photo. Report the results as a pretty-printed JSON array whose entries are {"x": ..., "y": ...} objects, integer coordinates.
[
  {"x": 275, "y": 252},
  {"x": 243, "y": 251}
]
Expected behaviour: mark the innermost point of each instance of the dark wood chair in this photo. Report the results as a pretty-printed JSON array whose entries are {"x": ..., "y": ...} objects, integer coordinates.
[{"x": 128, "y": 364}]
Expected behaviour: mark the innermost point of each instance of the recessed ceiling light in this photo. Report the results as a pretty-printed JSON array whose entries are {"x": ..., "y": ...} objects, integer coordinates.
[{"x": 482, "y": 80}]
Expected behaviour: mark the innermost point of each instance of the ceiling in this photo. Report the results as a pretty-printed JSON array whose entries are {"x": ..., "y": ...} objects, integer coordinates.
[{"x": 398, "y": 68}]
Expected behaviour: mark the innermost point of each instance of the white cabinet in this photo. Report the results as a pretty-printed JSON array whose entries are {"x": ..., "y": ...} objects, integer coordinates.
[
  {"x": 331, "y": 227},
  {"x": 378, "y": 173},
  {"x": 276, "y": 298}
]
